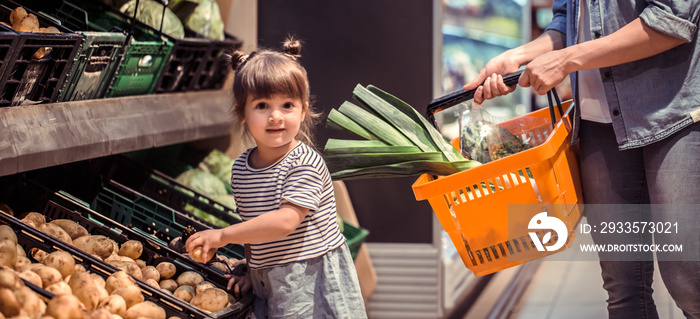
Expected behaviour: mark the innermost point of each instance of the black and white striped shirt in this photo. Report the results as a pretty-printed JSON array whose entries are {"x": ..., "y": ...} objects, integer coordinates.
[{"x": 302, "y": 178}]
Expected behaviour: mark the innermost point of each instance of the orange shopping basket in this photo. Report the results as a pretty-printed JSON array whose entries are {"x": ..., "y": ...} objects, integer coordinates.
[{"x": 475, "y": 207}]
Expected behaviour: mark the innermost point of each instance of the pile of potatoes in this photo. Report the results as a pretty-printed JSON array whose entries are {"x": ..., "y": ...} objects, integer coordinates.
[
  {"x": 188, "y": 286},
  {"x": 22, "y": 21}
]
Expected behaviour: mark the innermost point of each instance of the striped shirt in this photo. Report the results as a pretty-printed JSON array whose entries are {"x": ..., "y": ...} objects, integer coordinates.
[{"x": 302, "y": 178}]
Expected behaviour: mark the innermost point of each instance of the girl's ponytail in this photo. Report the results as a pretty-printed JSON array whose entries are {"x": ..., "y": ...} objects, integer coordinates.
[{"x": 292, "y": 47}]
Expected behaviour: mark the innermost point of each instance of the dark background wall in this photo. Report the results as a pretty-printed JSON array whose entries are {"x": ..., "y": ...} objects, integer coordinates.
[{"x": 387, "y": 43}]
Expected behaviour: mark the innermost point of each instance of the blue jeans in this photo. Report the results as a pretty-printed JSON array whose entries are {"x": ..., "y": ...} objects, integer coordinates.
[{"x": 666, "y": 172}]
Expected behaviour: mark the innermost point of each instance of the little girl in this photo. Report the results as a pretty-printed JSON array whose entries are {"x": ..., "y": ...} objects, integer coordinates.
[{"x": 300, "y": 265}]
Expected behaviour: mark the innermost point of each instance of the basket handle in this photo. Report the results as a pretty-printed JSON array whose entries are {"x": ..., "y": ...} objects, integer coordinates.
[
  {"x": 454, "y": 98},
  {"x": 551, "y": 92}
]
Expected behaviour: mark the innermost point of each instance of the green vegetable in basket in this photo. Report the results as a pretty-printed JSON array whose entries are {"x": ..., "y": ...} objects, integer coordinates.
[
  {"x": 396, "y": 140},
  {"x": 203, "y": 182},
  {"x": 150, "y": 12}
]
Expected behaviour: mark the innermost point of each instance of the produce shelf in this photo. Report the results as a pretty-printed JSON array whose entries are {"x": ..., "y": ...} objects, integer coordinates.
[
  {"x": 51, "y": 134},
  {"x": 29, "y": 195}
]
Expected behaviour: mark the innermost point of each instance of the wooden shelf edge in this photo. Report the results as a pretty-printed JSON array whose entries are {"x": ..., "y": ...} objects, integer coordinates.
[{"x": 43, "y": 135}]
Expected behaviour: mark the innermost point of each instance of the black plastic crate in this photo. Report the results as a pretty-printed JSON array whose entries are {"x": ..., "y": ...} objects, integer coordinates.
[
  {"x": 214, "y": 72},
  {"x": 8, "y": 41},
  {"x": 60, "y": 206},
  {"x": 30, "y": 80},
  {"x": 29, "y": 237}
]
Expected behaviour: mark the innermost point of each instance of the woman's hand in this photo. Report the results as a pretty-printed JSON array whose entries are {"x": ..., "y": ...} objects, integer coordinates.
[
  {"x": 545, "y": 72},
  {"x": 492, "y": 77},
  {"x": 208, "y": 239}
]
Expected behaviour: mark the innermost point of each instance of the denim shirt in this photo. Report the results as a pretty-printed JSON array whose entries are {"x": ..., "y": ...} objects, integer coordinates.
[{"x": 652, "y": 98}]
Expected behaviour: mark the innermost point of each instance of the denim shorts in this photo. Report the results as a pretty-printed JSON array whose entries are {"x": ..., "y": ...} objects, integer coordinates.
[{"x": 321, "y": 287}]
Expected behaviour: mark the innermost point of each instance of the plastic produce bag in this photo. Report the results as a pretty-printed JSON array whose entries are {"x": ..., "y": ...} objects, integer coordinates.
[{"x": 481, "y": 139}]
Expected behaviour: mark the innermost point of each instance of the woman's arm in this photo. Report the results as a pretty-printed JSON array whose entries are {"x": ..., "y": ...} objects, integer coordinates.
[{"x": 633, "y": 42}]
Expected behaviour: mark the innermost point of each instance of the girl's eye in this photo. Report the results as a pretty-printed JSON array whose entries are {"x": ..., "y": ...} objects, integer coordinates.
[
  {"x": 260, "y": 106},
  {"x": 288, "y": 105}
]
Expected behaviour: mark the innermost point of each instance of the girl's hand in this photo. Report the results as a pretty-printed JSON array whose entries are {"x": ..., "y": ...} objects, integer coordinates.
[
  {"x": 241, "y": 285},
  {"x": 545, "y": 72},
  {"x": 208, "y": 239}
]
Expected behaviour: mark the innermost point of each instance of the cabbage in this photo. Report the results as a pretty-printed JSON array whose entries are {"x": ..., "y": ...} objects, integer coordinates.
[
  {"x": 204, "y": 19},
  {"x": 202, "y": 182},
  {"x": 150, "y": 13},
  {"x": 219, "y": 164}
]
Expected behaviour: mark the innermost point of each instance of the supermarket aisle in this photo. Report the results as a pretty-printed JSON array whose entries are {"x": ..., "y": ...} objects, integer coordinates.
[{"x": 573, "y": 290}]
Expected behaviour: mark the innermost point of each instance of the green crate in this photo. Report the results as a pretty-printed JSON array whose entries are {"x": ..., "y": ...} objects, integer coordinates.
[
  {"x": 355, "y": 237},
  {"x": 150, "y": 217},
  {"x": 94, "y": 66},
  {"x": 145, "y": 52}
]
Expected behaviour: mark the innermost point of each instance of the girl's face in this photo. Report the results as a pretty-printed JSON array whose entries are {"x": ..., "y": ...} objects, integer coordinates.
[{"x": 274, "y": 122}]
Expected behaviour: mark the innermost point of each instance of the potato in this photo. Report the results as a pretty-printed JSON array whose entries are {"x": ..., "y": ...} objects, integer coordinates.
[
  {"x": 102, "y": 293},
  {"x": 59, "y": 288},
  {"x": 32, "y": 277},
  {"x": 95, "y": 244},
  {"x": 200, "y": 257},
  {"x": 73, "y": 229},
  {"x": 114, "y": 304},
  {"x": 65, "y": 307},
  {"x": 129, "y": 267},
  {"x": 17, "y": 15},
  {"x": 189, "y": 278},
  {"x": 202, "y": 286},
  {"x": 145, "y": 310},
  {"x": 3, "y": 207},
  {"x": 29, "y": 23},
  {"x": 132, "y": 249},
  {"x": 8, "y": 253},
  {"x": 168, "y": 284},
  {"x": 38, "y": 254},
  {"x": 167, "y": 270},
  {"x": 99, "y": 281},
  {"x": 20, "y": 251},
  {"x": 56, "y": 232},
  {"x": 85, "y": 289},
  {"x": 49, "y": 276},
  {"x": 99, "y": 314},
  {"x": 113, "y": 257},
  {"x": 212, "y": 299},
  {"x": 10, "y": 279},
  {"x": 30, "y": 301},
  {"x": 185, "y": 293},
  {"x": 9, "y": 305},
  {"x": 131, "y": 294},
  {"x": 62, "y": 261},
  {"x": 118, "y": 280},
  {"x": 21, "y": 262},
  {"x": 141, "y": 264},
  {"x": 150, "y": 272},
  {"x": 6, "y": 233},
  {"x": 52, "y": 30},
  {"x": 35, "y": 218},
  {"x": 153, "y": 283},
  {"x": 79, "y": 268}
]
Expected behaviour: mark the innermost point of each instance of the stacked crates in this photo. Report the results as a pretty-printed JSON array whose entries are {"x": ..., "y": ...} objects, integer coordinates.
[
  {"x": 144, "y": 52},
  {"x": 30, "y": 77}
]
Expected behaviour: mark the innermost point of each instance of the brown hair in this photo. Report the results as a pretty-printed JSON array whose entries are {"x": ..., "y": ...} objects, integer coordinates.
[{"x": 265, "y": 73}]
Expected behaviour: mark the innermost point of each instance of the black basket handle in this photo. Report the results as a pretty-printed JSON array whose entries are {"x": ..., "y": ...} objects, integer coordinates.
[{"x": 454, "y": 98}]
